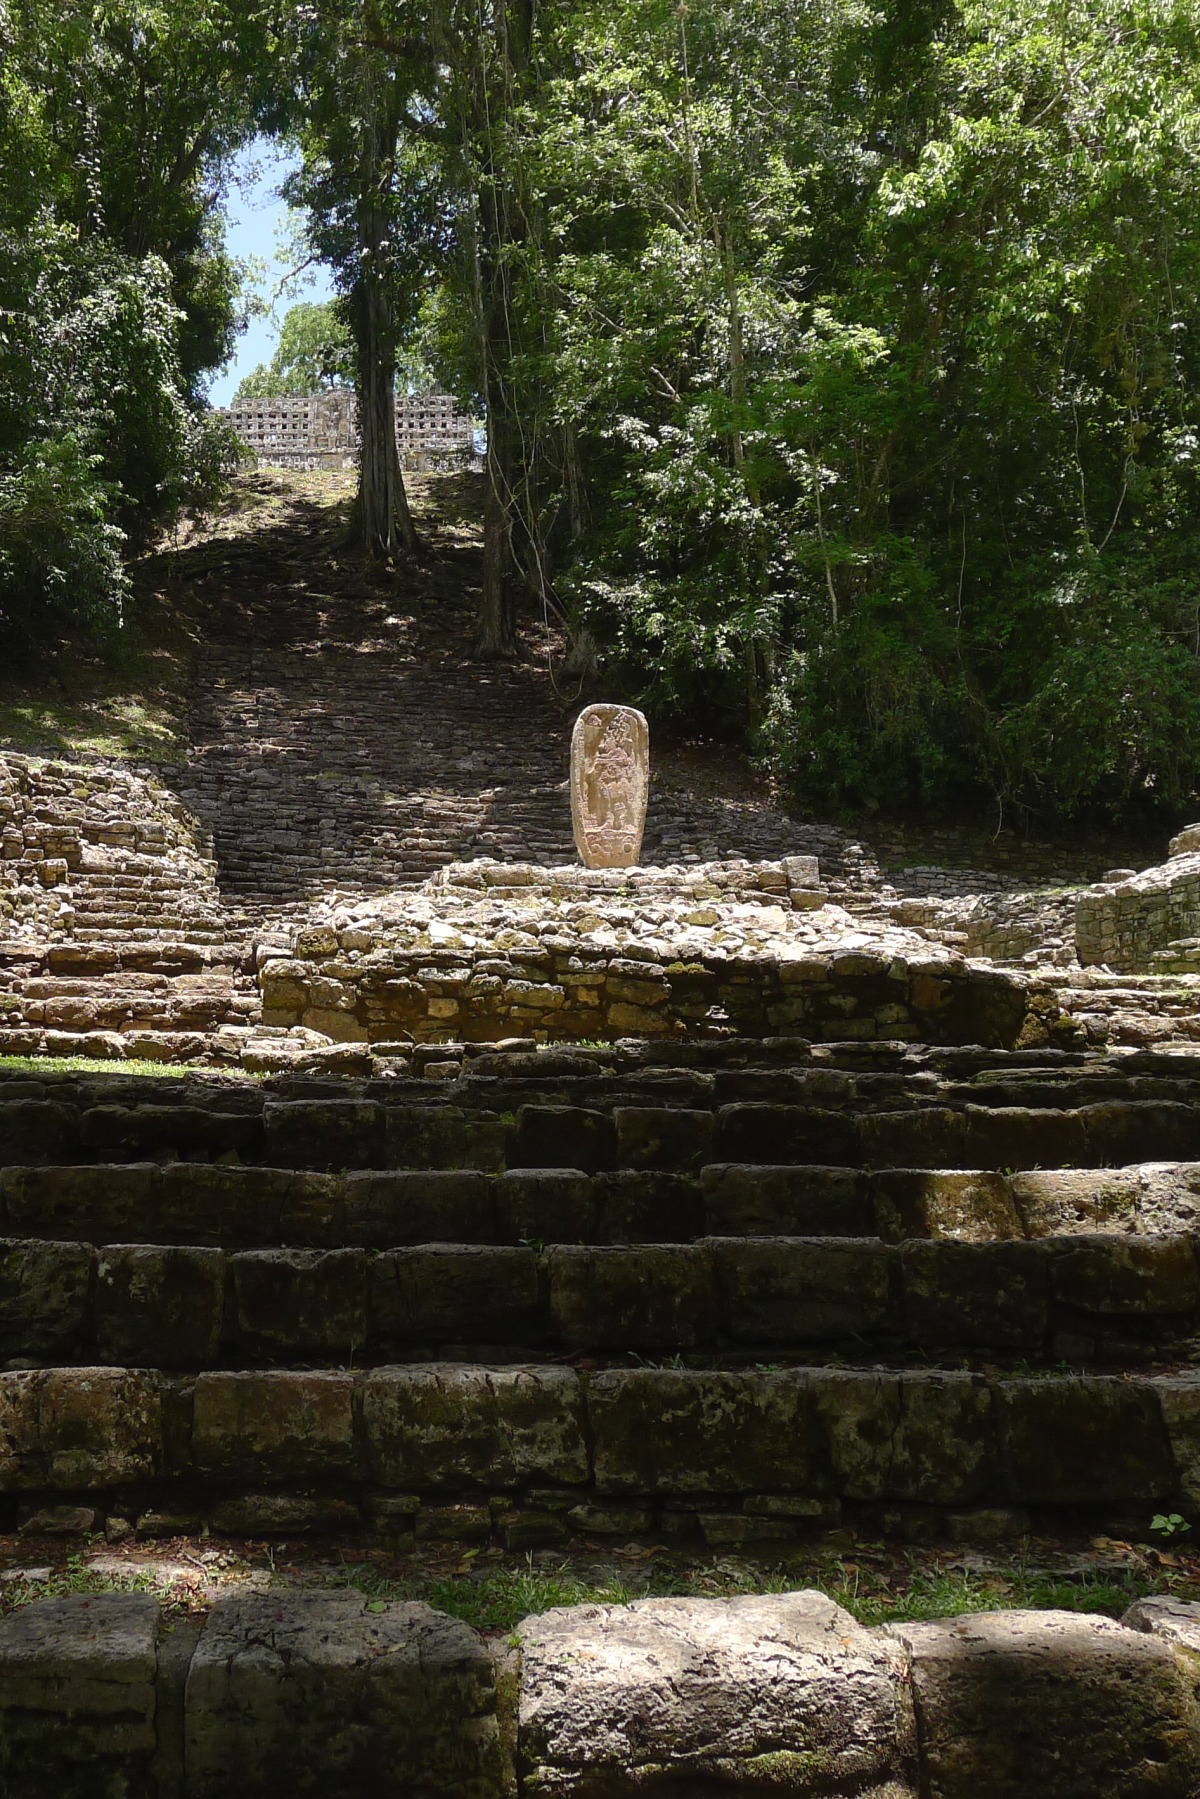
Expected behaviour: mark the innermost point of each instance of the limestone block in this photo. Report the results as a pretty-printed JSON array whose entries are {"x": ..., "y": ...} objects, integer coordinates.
[
  {"x": 641, "y": 1297},
  {"x": 1126, "y": 1276},
  {"x": 126, "y": 1133},
  {"x": 1057, "y": 1202},
  {"x": 1008, "y": 1137},
  {"x": 772, "y": 1134},
  {"x": 641, "y": 1206},
  {"x": 77, "y": 1697},
  {"x": 44, "y": 1290},
  {"x": 804, "y": 1290},
  {"x": 448, "y": 1205},
  {"x": 299, "y": 1302},
  {"x": 1185, "y": 842},
  {"x": 684, "y": 1431},
  {"x": 323, "y": 1133},
  {"x": 34, "y": 1131},
  {"x": 920, "y": 1137},
  {"x": 741, "y": 1201},
  {"x": 564, "y": 1137},
  {"x": 669, "y": 1138},
  {"x": 455, "y": 1293},
  {"x": 440, "y": 1424},
  {"x": 79, "y": 1428},
  {"x": 1069, "y": 1440},
  {"x": 1054, "y": 1704},
  {"x": 545, "y": 1205},
  {"x": 981, "y": 1295},
  {"x": 921, "y": 1436},
  {"x": 775, "y": 1695},
  {"x": 273, "y": 1426},
  {"x": 159, "y": 1306},
  {"x": 974, "y": 1206},
  {"x": 444, "y": 1137},
  {"x": 1124, "y": 1131},
  {"x": 1179, "y": 1399},
  {"x": 610, "y": 784},
  {"x": 308, "y": 1693},
  {"x": 1178, "y": 1620}
]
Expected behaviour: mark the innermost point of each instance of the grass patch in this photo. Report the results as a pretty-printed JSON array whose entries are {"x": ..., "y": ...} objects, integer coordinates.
[
  {"x": 496, "y": 1599},
  {"x": 103, "y": 1065}
]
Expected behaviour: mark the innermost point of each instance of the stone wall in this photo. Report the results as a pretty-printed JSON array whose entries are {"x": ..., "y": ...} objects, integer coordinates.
[
  {"x": 1149, "y": 924},
  {"x": 724, "y": 950},
  {"x": 539, "y": 1452},
  {"x": 285, "y": 1693},
  {"x": 321, "y": 430},
  {"x": 88, "y": 849}
]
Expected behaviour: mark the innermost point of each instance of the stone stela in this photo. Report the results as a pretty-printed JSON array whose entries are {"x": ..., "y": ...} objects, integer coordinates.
[{"x": 610, "y": 783}]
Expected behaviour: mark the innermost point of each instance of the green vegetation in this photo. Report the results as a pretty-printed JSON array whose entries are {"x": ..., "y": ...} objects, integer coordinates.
[
  {"x": 876, "y": 1586},
  {"x": 313, "y": 355},
  {"x": 839, "y": 364}
]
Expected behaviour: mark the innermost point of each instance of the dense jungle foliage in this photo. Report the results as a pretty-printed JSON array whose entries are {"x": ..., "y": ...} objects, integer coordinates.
[{"x": 839, "y": 362}]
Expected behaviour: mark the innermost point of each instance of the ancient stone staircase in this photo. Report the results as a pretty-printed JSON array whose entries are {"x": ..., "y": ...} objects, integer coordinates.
[{"x": 727, "y": 1293}]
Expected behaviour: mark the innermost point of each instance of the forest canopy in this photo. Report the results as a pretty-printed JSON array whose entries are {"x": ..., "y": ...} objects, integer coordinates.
[{"x": 838, "y": 361}]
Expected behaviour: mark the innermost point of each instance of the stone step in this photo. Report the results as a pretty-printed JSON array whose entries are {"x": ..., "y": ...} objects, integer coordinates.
[
  {"x": 1077, "y": 1299},
  {"x": 416, "y": 1132},
  {"x": 756, "y": 1452},
  {"x": 227, "y": 1205},
  {"x": 304, "y": 1689}
]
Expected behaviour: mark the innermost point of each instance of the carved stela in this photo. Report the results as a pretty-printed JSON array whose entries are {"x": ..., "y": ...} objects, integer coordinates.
[{"x": 610, "y": 782}]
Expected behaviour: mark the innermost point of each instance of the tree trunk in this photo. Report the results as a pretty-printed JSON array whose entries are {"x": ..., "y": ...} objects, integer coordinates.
[
  {"x": 383, "y": 521},
  {"x": 497, "y": 633}
]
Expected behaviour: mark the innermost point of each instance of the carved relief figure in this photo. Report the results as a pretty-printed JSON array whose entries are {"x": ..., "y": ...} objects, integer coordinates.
[{"x": 610, "y": 757}]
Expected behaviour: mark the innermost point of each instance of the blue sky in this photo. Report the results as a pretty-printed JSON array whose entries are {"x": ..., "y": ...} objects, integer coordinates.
[{"x": 254, "y": 214}]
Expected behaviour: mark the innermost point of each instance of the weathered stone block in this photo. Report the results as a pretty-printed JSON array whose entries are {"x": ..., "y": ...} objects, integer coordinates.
[
  {"x": 419, "y": 1206},
  {"x": 741, "y": 1201},
  {"x": 639, "y": 1206},
  {"x": 649, "y": 1296},
  {"x": 1083, "y": 1441},
  {"x": 918, "y": 1137},
  {"x": 666, "y": 1430},
  {"x": 979, "y": 1295},
  {"x": 798, "y": 1290},
  {"x": 97, "y": 1204},
  {"x": 564, "y": 1137},
  {"x": 323, "y": 1133},
  {"x": 273, "y": 1514},
  {"x": 1126, "y": 1276},
  {"x": 671, "y": 1139},
  {"x": 1055, "y": 1202},
  {"x": 445, "y": 1137},
  {"x": 1127, "y": 1131},
  {"x": 34, "y": 1131},
  {"x": 920, "y": 1436},
  {"x": 1052, "y": 1703},
  {"x": 274, "y": 1426},
  {"x": 323, "y": 1693},
  {"x": 781, "y": 1134},
  {"x": 545, "y": 1205},
  {"x": 1012, "y": 1137},
  {"x": 127, "y": 1133},
  {"x": 78, "y": 1428},
  {"x": 441, "y": 1424},
  {"x": 77, "y": 1698},
  {"x": 450, "y": 1293},
  {"x": 300, "y": 1301},
  {"x": 159, "y": 1306},
  {"x": 971, "y": 1207},
  {"x": 44, "y": 1290},
  {"x": 1178, "y": 1397},
  {"x": 781, "y": 1694}
]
